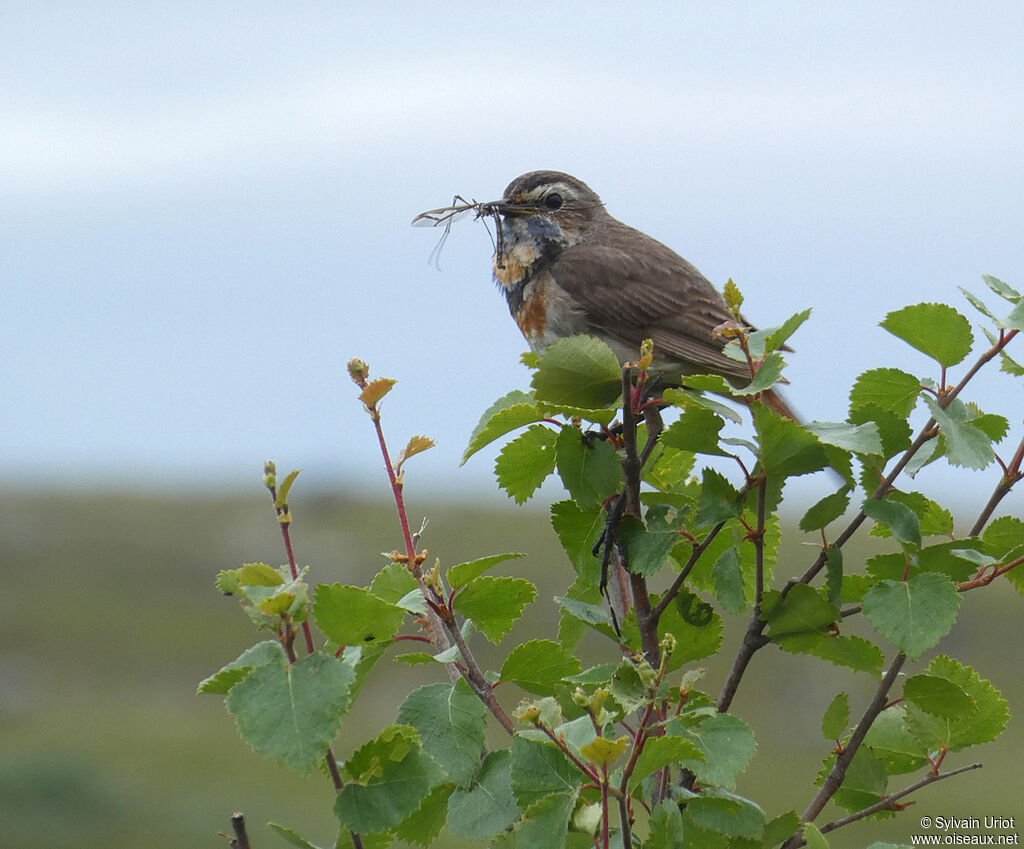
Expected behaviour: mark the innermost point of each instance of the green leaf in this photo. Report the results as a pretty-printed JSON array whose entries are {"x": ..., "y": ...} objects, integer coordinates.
[
  {"x": 1002, "y": 289},
  {"x": 937, "y": 695},
  {"x": 666, "y": 825},
  {"x": 281, "y": 499},
  {"x": 858, "y": 438},
  {"x": 968, "y": 728},
  {"x": 291, "y": 836},
  {"x": 769, "y": 372},
  {"x": 524, "y": 464},
  {"x": 259, "y": 575},
  {"x": 830, "y": 508},
  {"x": 693, "y": 622},
  {"x": 487, "y": 805},
  {"x": 834, "y": 574},
  {"x": 900, "y": 519},
  {"x": 937, "y": 330},
  {"x": 729, "y": 581},
  {"x": 935, "y": 520},
  {"x": 719, "y": 500},
  {"x": 393, "y": 582},
  {"x": 424, "y": 824},
  {"x": 787, "y": 448},
  {"x": 696, "y": 430},
  {"x": 892, "y": 741},
  {"x": 581, "y": 371},
  {"x": 463, "y": 573},
  {"x": 388, "y": 779},
  {"x": 888, "y": 389},
  {"x": 659, "y": 752},
  {"x": 893, "y": 429},
  {"x": 775, "y": 337},
  {"x": 864, "y": 783},
  {"x": 494, "y": 604},
  {"x": 578, "y": 531},
  {"x": 1015, "y": 320},
  {"x": 451, "y": 723},
  {"x": 291, "y": 713},
  {"x": 594, "y": 615},
  {"x": 853, "y": 652},
  {"x": 913, "y": 615},
  {"x": 354, "y": 616},
  {"x": 268, "y": 651},
  {"x": 815, "y": 839},
  {"x": 648, "y": 548},
  {"x": 589, "y": 468},
  {"x": 726, "y": 742},
  {"x": 803, "y": 609},
  {"x": 538, "y": 666},
  {"x": 539, "y": 769},
  {"x": 720, "y": 811},
  {"x": 508, "y": 413},
  {"x": 966, "y": 444},
  {"x": 836, "y": 718},
  {"x": 545, "y": 823}
]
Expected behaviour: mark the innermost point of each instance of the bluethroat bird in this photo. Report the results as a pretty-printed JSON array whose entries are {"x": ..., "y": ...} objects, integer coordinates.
[{"x": 566, "y": 266}]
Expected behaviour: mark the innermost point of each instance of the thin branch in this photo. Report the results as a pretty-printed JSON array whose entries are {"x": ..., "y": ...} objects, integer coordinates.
[
  {"x": 889, "y": 802},
  {"x": 844, "y": 758},
  {"x": 1011, "y": 475}
]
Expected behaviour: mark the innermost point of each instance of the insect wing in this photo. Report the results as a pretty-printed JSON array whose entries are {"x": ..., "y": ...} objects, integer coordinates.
[{"x": 446, "y": 215}]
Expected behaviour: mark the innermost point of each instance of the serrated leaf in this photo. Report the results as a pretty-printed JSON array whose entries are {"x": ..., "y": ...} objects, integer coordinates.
[
  {"x": 836, "y": 718},
  {"x": 726, "y": 742},
  {"x": 935, "y": 520},
  {"x": 728, "y": 580},
  {"x": 830, "y": 508},
  {"x": 666, "y": 826},
  {"x": 659, "y": 752},
  {"x": 802, "y": 610},
  {"x": 508, "y": 413},
  {"x": 395, "y": 776},
  {"x": 775, "y": 337},
  {"x": 291, "y": 713},
  {"x": 258, "y": 575},
  {"x": 1002, "y": 289},
  {"x": 578, "y": 531},
  {"x": 722, "y": 812},
  {"x": 696, "y": 430},
  {"x": 769, "y": 372},
  {"x": 291, "y": 836},
  {"x": 393, "y": 582},
  {"x": 719, "y": 500},
  {"x": 852, "y": 652},
  {"x": 451, "y": 723},
  {"x": 648, "y": 547},
  {"x": 937, "y": 330},
  {"x": 581, "y": 371},
  {"x": 545, "y": 823},
  {"x": 900, "y": 519},
  {"x": 937, "y": 696},
  {"x": 787, "y": 448},
  {"x": 892, "y": 741},
  {"x": 354, "y": 616},
  {"x": 524, "y": 464},
  {"x": 864, "y": 782},
  {"x": 972, "y": 728},
  {"x": 1015, "y": 320},
  {"x": 834, "y": 574},
  {"x": 423, "y": 825},
  {"x": 815, "y": 839},
  {"x": 594, "y": 615},
  {"x": 913, "y": 615},
  {"x": 487, "y": 805},
  {"x": 589, "y": 468},
  {"x": 887, "y": 388},
  {"x": 692, "y": 621},
  {"x": 538, "y": 666},
  {"x": 375, "y": 390},
  {"x": 463, "y": 573},
  {"x": 268, "y": 651},
  {"x": 494, "y": 604},
  {"x": 416, "y": 445},
  {"x": 966, "y": 444},
  {"x": 893, "y": 429},
  {"x": 858, "y": 438},
  {"x": 539, "y": 769}
]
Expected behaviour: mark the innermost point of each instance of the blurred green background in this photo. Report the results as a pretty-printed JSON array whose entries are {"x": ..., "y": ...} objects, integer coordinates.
[{"x": 110, "y": 618}]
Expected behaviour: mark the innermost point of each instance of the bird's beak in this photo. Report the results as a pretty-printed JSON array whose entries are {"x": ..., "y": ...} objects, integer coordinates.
[{"x": 505, "y": 207}]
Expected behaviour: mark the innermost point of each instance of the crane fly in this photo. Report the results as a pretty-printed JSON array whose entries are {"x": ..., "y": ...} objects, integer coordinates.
[{"x": 459, "y": 210}]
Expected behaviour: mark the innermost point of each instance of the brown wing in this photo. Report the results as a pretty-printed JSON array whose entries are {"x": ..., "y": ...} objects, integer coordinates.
[{"x": 633, "y": 287}]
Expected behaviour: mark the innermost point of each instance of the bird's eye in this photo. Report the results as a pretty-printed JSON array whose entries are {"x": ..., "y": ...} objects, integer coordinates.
[{"x": 553, "y": 201}]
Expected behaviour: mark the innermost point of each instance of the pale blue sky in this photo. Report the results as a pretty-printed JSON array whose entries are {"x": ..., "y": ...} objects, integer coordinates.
[{"x": 204, "y": 207}]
